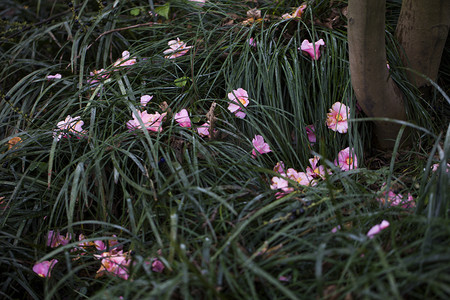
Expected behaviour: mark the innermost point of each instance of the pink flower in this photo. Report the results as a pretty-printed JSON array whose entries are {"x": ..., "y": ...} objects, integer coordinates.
[
  {"x": 301, "y": 177},
  {"x": 114, "y": 263},
  {"x": 182, "y": 118},
  {"x": 145, "y": 99},
  {"x": 125, "y": 60},
  {"x": 70, "y": 125},
  {"x": 239, "y": 99},
  {"x": 54, "y": 239},
  {"x": 377, "y": 229},
  {"x": 337, "y": 117},
  {"x": 203, "y": 130},
  {"x": 260, "y": 146},
  {"x": 335, "y": 229},
  {"x": 56, "y": 76},
  {"x": 316, "y": 171},
  {"x": 312, "y": 49},
  {"x": 436, "y": 166},
  {"x": 177, "y": 49},
  {"x": 157, "y": 266},
  {"x": 151, "y": 121},
  {"x": 280, "y": 183},
  {"x": 345, "y": 161},
  {"x": 251, "y": 41},
  {"x": 394, "y": 199},
  {"x": 279, "y": 167},
  {"x": 44, "y": 268},
  {"x": 311, "y": 133}
]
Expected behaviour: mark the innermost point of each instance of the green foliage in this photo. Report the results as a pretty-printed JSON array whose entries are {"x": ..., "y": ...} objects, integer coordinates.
[{"x": 203, "y": 206}]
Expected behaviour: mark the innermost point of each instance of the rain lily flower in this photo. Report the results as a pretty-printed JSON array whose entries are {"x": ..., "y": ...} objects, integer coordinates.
[
  {"x": 335, "y": 229},
  {"x": 251, "y": 41},
  {"x": 345, "y": 161},
  {"x": 151, "y": 122},
  {"x": 177, "y": 49},
  {"x": 203, "y": 130},
  {"x": 337, "y": 117},
  {"x": 157, "y": 266},
  {"x": 44, "y": 268},
  {"x": 301, "y": 177},
  {"x": 312, "y": 49},
  {"x": 182, "y": 118},
  {"x": 279, "y": 167},
  {"x": 54, "y": 239},
  {"x": 96, "y": 76},
  {"x": 394, "y": 199},
  {"x": 56, "y": 76},
  {"x": 377, "y": 229},
  {"x": 70, "y": 125},
  {"x": 260, "y": 146},
  {"x": 436, "y": 166},
  {"x": 125, "y": 60},
  {"x": 280, "y": 183},
  {"x": 238, "y": 97},
  {"x": 316, "y": 171},
  {"x": 311, "y": 133},
  {"x": 145, "y": 99}
]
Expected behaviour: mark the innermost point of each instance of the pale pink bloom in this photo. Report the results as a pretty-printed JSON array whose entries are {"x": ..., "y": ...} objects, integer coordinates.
[
  {"x": 280, "y": 183},
  {"x": 251, "y": 41},
  {"x": 301, "y": 177},
  {"x": 377, "y": 229},
  {"x": 145, "y": 99},
  {"x": 44, "y": 268},
  {"x": 177, "y": 49},
  {"x": 114, "y": 263},
  {"x": 260, "y": 146},
  {"x": 69, "y": 125},
  {"x": 157, "y": 266},
  {"x": 54, "y": 239},
  {"x": 239, "y": 99},
  {"x": 337, "y": 117},
  {"x": 125, "y": 60},
  {"x": 279, "y": 167},
  {"x": 182, "y": 118},
  {"x": 203, "y": 130},
  {"x": 316, "y": 171},
  {"x": 335, "y": 229},
  {"x": 436, "y": 166},
  {"x": 345, "y": 161},
  {"x": 151, "y": 121},
  {"x": 284, "y": 278},
  {"x": 311, "y": 133},
  {"x": 56, "y": 76},
  {"x": 96, "y": 76},
  {"x": 199, "y": 2},
  {"x": 394, "y": 199},
  {"x": 312, "y": 49}
]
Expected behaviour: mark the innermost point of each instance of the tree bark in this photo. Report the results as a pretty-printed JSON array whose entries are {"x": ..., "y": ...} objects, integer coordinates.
[
  {"x": 376, "y": 92},
  {"x": 422, "y": 30}
]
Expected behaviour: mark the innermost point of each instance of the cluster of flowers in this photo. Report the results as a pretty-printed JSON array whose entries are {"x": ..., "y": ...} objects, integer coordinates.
[
  {"x": 346, "y": 161},
  {"x": 114, "y": 261}
]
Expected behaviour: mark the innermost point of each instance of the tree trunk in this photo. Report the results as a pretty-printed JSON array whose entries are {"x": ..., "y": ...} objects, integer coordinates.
[
  {"x": 376, "y": 92},
  {"x": 422, "y": 30}
]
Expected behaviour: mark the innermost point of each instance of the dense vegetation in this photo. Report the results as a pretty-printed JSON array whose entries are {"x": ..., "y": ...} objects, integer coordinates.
[{"x": 92, "y": 206}]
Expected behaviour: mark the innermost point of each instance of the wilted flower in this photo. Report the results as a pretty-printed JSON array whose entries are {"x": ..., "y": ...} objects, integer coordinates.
[
  {"x": 125, "y": 60},
  {"x": 54, "y": 239},
  {"x": 312, "y": 49},
  {"x": 377, "y": 229},
  {"x": 44, "y": 268},
  {"x": 260, "y": 146},
  {"x": 177, "y": 49},
  {"x": 145, "y": 99},
  {"x": 13, "y": 141},
  {"x": 56, "y": 76},
  {"x": 238, "y": 97},
  {"x": 297, "y": 14},
  {"x": 345, "y": 161},
  {"x": 337, "y": 117},
  {"x": 394, "y": 199},
  {"x": 69, "y": 125},
  {"x": 182, "y": 118},
  {"x": 311, "y": 133},
  {"x": 151, "y": 121},
  {"x": 114, "y": 263}
]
